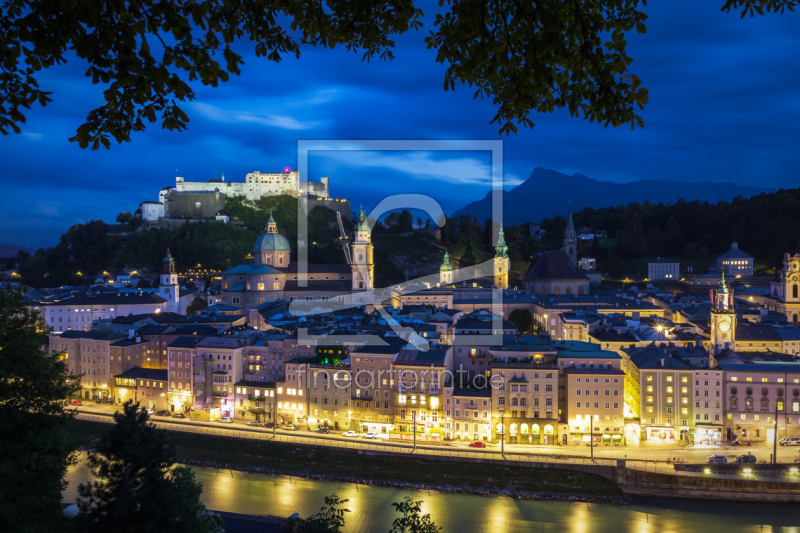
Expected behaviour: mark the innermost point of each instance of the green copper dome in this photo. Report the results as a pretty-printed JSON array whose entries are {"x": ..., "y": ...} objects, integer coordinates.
[
  {"x": 168, "y": 258},
  {"x": 362, "y": 222},
  {"x": 446, "y": 266},
  {"x": 723, "y": 288},
  {"x": 501, "y": 248},
  {"x": 271, "y": 241}
]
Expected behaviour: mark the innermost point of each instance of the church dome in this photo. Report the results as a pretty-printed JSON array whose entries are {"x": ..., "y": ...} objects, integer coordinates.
[
  {"x": 271, "y": 242},
  {"x": 446, "y": 266}
]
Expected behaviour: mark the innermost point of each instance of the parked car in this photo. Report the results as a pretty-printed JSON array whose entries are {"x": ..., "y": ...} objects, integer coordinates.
[
  {"x": 163, "y": 412},
  {"x": 323, "y": 430},
  {"x": 147, "y": 410},
  {"x": 76, "y": 402},
  {"x": 255, "y": 424},
  {"x": 179, "y": 415},
  {"x": 225, "y": 420},
  {"x": 716, "y": 459},
  {"x": 269, "y": 425},
  {"x": 349, "y": 434},
  {"x": 369, "y": 435},
  {"x": 746, "y": 459},
  {"x": 477, "y": 444},
  {"x": 788, "y": 441},
  {"x": 290, "y": 427}
]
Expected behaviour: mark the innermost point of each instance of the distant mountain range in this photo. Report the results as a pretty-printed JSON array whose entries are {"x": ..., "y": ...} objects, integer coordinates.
[
  {"x": 546, "y": 194},
  {"x": 10, "y": 250}
]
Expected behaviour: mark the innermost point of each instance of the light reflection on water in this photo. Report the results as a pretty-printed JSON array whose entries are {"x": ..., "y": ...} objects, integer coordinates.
[{"x": 371, "y": 509}]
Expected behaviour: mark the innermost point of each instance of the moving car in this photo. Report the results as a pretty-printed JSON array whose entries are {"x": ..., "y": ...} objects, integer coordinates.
[
  {"x": 255, "y": 424},
  {"x": 323, "y": 430},
  {"x": 76, "y": 402},
  {"x": 269, "y": 425},
  {"x": 290, "y": 427},
  {"x": 179, "y": 415},
  {"x": 716, "y": 459},
  {"x": 163, "y": 412},
  {"x": 369, "y": 435},
  {"x": 746, "y": 459},
  {"x": 477, "y": 444},
  {"x": 788, "y": 441},
  {"x": 225, "y": 420},
  {"x": 349, "y": 434}
]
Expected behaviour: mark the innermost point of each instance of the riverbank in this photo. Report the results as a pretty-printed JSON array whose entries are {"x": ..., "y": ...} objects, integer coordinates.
[{"x": 365, "y": 469}]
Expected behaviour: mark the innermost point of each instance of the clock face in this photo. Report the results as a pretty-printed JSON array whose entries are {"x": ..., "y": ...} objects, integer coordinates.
[{"x": 724, "y": 325}]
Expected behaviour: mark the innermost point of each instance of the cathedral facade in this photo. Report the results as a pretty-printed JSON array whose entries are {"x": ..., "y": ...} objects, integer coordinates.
[
  {"x": 785, "y": 292},
  {"x": 274, "y": 277}
]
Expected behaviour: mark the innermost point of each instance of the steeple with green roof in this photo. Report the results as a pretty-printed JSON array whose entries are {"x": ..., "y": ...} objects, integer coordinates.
[
  {"x": 501, "y": 249},
  {"x": 446, "y": 266}
]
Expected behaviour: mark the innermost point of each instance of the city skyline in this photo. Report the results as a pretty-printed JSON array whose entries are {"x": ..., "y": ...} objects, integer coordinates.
[{"x": 703, "y": 123}]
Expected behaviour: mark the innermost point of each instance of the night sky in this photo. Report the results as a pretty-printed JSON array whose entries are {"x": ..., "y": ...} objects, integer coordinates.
[{"x": 723, "y": 107}]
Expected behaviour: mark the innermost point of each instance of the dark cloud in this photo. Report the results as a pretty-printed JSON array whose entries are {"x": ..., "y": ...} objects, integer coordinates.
[{"x": 723, "y": 107}]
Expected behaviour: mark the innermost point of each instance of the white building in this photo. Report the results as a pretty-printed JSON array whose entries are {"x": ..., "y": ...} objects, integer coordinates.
[
  {"x": 258, "y": 185},
  {"x": 663, "y": 269},
  {"x": 151, "y": 211},
  {"x": 708, "y": 405},
  {"x": 78, "y": 312},
  {"x": 735, "y": 262}
]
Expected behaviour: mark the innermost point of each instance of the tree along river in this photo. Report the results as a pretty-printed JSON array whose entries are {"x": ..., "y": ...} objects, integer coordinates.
[{"x": 371, "y": 510}]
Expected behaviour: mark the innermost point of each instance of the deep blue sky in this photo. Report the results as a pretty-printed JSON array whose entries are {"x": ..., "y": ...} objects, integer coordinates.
[{"x": 723, "y": 107}]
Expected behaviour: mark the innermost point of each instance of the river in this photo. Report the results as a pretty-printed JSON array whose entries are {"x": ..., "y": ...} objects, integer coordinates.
[{"x": 371, "y": 510}]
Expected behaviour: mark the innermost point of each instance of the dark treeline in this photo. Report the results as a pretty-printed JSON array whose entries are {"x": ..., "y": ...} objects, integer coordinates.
[
  {"x": 88, "y": 250},
  {"x": 766, "y": 226}
]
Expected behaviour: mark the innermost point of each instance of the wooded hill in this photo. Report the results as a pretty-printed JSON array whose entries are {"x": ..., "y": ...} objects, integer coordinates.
[{"x": 766, "y": 226}]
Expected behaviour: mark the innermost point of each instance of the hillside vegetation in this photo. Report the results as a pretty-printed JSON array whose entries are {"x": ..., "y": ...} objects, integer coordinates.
[{"x": 766, "y": 226}]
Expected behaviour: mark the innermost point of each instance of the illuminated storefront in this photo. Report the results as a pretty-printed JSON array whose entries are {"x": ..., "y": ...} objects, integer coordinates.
[{"x": 662, "y": 434}]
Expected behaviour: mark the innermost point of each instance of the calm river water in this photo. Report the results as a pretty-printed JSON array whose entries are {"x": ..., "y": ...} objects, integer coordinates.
[{"x": 371, "y": 510}]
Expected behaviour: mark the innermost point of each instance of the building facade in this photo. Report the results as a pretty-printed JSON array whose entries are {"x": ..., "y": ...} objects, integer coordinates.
[
  {"x": 663, "y": 269},
  {"x": 735, "y": 262},
  {"x": 594, "y": 406}
]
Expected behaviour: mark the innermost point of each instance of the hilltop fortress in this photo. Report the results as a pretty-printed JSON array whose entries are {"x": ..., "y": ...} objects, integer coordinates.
[
  {"x": 258, "y": 185},
  {"x": 195, "y": 201}
]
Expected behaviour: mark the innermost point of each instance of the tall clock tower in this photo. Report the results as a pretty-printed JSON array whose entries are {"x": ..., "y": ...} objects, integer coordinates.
[
  {"x": 168, "y": 288},
  {"x": 363, "y": 268},
  {"x": 723, "y": 320}
]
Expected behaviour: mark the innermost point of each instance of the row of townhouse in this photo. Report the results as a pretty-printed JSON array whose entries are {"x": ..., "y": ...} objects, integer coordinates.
[{"x": 530, "y": 390}]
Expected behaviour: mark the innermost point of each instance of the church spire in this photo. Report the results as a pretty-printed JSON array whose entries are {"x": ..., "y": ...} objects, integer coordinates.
[
  {"x": 570, "y": 239},
  {"x": 272, "y": 226},
  {"x": 501, "y": 249},
  {"x": 570, "y": 225}
]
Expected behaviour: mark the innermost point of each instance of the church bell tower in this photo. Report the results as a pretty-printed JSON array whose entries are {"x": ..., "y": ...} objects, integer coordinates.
[
  {"x": 571, "y": 239},
  {"x": 501, "y": 262},
  {"x": 723, "y": 320},
  {"x": 363, "y": 269},
  {"x": 168, "y": 288}
]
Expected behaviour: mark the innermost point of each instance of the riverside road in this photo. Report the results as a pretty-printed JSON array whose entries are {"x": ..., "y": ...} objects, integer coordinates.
[{"x": 644, "y": 452}]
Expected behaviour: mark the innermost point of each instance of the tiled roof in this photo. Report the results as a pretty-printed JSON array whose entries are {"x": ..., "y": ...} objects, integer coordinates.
[
  {"x": 293, "y": 266},
  {"x": 185, "y": 342},
  {"x": 606, "y": 371},
  {"x": 145, "y": 373},
  {"x": 762, "y": 367},
  {"x": 94, "y": 335},
  {"x": 555, "y": 265},
  {"x": 111, "y": 299},
  {"x": 652, "y": 358},
  {"x": 416, "y": 357}
]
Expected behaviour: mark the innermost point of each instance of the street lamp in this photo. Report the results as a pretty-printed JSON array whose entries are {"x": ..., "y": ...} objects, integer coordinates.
[{"x": 502, "y": 411}]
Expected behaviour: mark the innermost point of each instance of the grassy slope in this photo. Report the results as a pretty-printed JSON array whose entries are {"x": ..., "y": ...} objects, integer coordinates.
[{"x": 292, "y": 458}]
